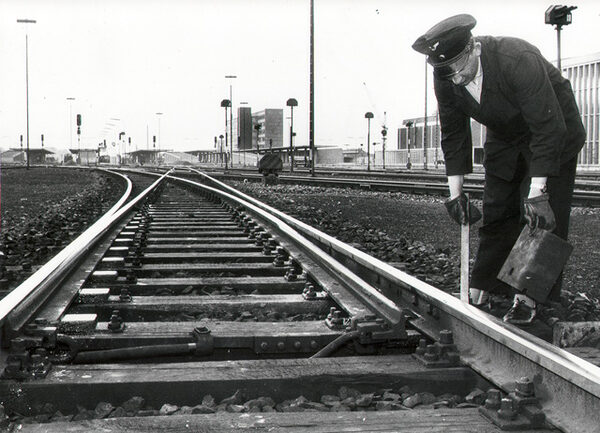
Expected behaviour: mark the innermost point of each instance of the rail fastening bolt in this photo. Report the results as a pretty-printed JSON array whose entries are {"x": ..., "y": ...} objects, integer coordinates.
[
  {"x": 524, "y": 387},
  {"x": 431, "y": 353},
  {"x": 420, "y": 350},
  {"x": 506, "y": 410},
  {"x": 446, "y": 337},
  {"x": 493, "y": 399}
]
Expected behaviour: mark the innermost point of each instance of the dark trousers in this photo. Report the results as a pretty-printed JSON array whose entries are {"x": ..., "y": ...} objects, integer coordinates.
[{"x": 503, "y": 221}]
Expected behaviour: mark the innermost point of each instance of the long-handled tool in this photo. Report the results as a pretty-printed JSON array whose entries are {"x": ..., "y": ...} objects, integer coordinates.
[{"x": 464, "y": 260}]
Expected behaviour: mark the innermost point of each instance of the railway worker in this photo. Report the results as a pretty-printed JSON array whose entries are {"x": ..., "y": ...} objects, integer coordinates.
[{"x": 534, "y": 133}]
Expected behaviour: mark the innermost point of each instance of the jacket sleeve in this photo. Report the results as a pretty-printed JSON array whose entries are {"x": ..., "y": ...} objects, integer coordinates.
[
  {"x": 540, "y": 109},
  {"x": 456, "y": 132}
]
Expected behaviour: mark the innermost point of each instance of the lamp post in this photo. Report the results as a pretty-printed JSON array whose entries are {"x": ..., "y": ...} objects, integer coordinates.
[
  {"x": 383, "y": 138},
  {"x": 292, "y": 103},
  {"x": 159, "y": 142},
  {"x": 70, "y": 121},
  {"x": 121, "y": 134},
  {"x": 408, "y": 125},
  {"x": 559, "y": 16},
  {"x": 368, "y": 116},
  {"x": 226, "y": 103},
  {"x": 231, "y": 77},
  {"x": 79, "y": 137},
  {"x": 221, "y": 150},
  {"x": 27, "y": 21},
  {"x": 239, "y": 137},
  {"x": 258, "y": 126}
]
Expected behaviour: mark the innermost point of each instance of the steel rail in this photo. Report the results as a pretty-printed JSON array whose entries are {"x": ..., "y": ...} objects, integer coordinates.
[
  {"x": 570, "y": 386},
  {"x": 367, "y": 293},
  {"x": 55, "y": 269},
  {"x": 580, "y": 196}
]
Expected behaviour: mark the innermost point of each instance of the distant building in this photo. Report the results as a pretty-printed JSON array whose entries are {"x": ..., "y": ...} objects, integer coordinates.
[
  {"x": 144, "y": 157},
  {"x": 584, "y": 74},
  {"x": 12, "y": 157},
  {"x": 270, "y": 132},
  {"x": 242, "y": 129},
  {"x": 178, "y": 158},
  {"x": 85, "y": 156}
]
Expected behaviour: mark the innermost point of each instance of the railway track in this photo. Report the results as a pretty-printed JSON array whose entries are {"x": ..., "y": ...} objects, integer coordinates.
[
  {"x": 197, "y": 302},
  {"x": 587, "y": 189}
]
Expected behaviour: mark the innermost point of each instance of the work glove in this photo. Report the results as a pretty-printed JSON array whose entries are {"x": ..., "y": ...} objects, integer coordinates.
[
  {"x": 460, "y": 212},
  {"x": 538, "y": 213}
]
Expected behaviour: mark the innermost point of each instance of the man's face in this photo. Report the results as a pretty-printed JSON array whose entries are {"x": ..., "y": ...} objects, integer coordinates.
[{"x": 465, "y": 70}]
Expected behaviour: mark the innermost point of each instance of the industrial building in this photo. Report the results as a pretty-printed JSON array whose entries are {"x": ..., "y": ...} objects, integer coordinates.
[
  {"x": 263, "y": 129},
  {"x": 269, "y": 132}
]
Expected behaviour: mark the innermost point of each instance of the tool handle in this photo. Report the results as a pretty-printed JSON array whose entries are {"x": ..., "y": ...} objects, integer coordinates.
[{"x": 464, "y": 262}]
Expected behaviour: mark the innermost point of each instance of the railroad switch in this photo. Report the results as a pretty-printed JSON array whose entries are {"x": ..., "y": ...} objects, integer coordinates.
[
  {"x": 442, "y": 353},
  {"x": 520, "y": 410}
]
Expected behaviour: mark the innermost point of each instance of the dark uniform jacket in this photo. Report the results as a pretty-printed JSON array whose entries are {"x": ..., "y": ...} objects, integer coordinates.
[{"x": 526, "y": 105}]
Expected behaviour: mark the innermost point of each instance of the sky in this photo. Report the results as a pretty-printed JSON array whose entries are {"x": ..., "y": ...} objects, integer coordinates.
[{"x": 131, "y": 59}]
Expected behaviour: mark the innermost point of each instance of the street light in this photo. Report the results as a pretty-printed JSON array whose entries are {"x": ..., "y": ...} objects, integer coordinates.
[
  {"x": 27, "y": 21},
  {"x": 258, "y": 126},
  {"x": 121, "y": 135},
  {"x": 368, "y": 116},
  {"x": 221, "y": 150},
  {"x": 79, "y": 137},
  {"x": 70, "y": 121},
  {"x": 292, "y": 103},
  {"x": 408, "y": 125},
  {"x": 226, "y": 103},
  {"x": 159, "y": 142},
  {"x": 383, "y": 138},
  {"x": 559, "y": 16},
  {"x": 232, "y": 77}
]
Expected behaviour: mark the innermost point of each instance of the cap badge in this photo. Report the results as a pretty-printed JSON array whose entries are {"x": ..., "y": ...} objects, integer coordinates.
[{"x": 434, "y": 46}]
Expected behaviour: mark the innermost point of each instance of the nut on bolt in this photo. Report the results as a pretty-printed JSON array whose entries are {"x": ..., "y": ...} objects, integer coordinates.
[
  {"x": 506, "y": 410},
  {"x": 116, "y": 323},
  {"x": 124, "y": 296},
  {"x": 446, "y": 337},
  {"x": 309, "y": 291},
  {"x": 524, "y": 387},
  {"x": 493, "y": 399}
]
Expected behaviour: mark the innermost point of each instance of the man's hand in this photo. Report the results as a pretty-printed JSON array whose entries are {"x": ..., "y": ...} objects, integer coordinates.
[
  {"x": 538, "y": 213},
  {"x": 461, "y": 212}
]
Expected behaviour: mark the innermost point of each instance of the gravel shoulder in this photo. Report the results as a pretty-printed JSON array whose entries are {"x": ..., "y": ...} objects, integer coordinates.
[
  {"x": 419, "y": 222},
  {"x": 44, "y": 209}
]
